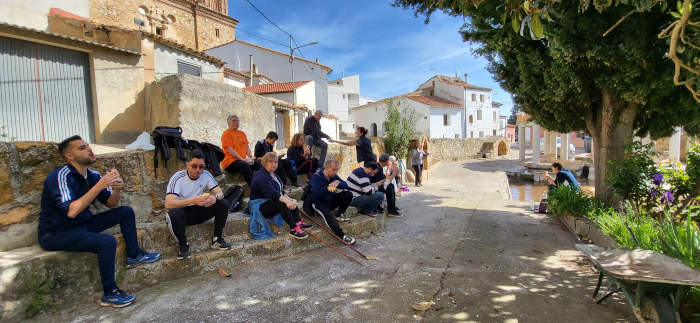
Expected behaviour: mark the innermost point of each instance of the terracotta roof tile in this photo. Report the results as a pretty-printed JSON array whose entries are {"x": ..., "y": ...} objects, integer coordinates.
[
  {"x": 433, "y": 101},
  {"x": 275, "y": 87}
]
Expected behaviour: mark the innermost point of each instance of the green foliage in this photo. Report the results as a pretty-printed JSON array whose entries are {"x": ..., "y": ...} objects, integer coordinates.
[
  {"x": 39, "y": 300},
  {"x": 565, "y": 199},
  {"x": 680, "y": 241},
  {"x": 615, "y": 225},
  {"x": 630, "y": 179},
  {"x": 400, "y": 126}
]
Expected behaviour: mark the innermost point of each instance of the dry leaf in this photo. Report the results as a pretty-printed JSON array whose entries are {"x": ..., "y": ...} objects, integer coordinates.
[
  {"x": 371, "y": 258},
  {"x": 223, "y": 273},
  {"x": 422, "y": 306}
]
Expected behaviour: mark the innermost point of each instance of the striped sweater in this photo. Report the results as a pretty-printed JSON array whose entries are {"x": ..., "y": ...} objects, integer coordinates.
[{"x": 359, "y": 182}]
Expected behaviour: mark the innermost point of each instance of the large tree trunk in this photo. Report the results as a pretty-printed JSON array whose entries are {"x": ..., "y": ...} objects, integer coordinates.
[{"x": 612, "y": 128}]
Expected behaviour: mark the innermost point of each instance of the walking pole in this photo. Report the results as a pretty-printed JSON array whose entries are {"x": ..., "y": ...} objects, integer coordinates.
[
  {"x": 330, "y": 246},
  {"x": 333, "y": 234}
]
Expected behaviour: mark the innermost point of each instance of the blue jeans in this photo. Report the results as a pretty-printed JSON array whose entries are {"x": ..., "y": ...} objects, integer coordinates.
[
  {"x": 368, "y": 203},
  {"x": 87, "y": 237}
]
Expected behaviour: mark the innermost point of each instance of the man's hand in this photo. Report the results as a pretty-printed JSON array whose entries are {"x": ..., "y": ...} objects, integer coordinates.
[
  {"x": 210, "y": 201},
  {"x": 335, "y": 183},
  {"x": 199, "y": 200},
  {"x": 110, "y": 178},
  {"x": 291, "y": 204}
]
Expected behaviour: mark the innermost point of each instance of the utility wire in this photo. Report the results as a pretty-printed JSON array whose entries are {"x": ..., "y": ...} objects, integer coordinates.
[
  {"x": 263, "y": 38},
  {"x": 268, "y": 19}
]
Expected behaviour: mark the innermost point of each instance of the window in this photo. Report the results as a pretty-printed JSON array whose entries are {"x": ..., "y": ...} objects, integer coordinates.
[
  {"x": 481, "y": 134},
  {"x": 456, "y": 135},
  {"x": 432, "y": 92},
  {"x": 187, "y": 68},
  {"x": 445, "y": 119},
  {"x": 471, "y": 119},
  {"x": 471, "y": 134},
  {"x": 481, "y": 97},
  {"x": 478, "y": 114},
  {"x": 343, "y": 96},
  {"x": 473, "y": 97},
  {"x": 159, "y": 31},
  {"x": 494, "y": 132},
  {"x": 494, "y": 116},
  {"x": 340, "y": 127},
  {"x": 217, "y": 32}
]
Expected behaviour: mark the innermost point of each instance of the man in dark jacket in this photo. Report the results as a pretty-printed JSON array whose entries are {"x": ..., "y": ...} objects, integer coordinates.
[
  {"x": 267, "y": 145},
  {"x": 328, "y": 192},
  {"x": 314, "y": 135}
]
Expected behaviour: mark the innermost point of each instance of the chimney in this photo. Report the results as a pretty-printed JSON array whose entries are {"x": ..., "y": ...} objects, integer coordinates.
[
  {"x": 250, "y": 76},
  {"x": 465, "y": 78}
]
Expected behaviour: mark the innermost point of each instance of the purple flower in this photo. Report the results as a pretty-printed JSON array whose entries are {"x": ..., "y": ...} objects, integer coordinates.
[
  {"x": 667, "y": 198},
  {"x": 658, "y": 178},
  {"x": 653, "y": 193}
]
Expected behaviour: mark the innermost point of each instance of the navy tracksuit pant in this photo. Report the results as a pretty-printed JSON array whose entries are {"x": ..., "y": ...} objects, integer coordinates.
[{"x": 87, "y": 237}]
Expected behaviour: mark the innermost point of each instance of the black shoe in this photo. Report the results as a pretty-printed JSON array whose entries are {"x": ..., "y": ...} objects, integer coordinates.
[
  {"x": 184, "y": 252},
  {"x": 304, "y": 225},
  {"x": 221, "y": 244},
  {"x": 297, "y": 233},
  {"x": 394, "y": 214}
]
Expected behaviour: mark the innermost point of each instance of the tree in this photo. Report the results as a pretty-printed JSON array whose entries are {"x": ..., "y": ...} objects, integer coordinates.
[
  {"x": 400, "y": 126},
  {"x": 513, "y": 118},
  {"x": 569, "y": 77}
]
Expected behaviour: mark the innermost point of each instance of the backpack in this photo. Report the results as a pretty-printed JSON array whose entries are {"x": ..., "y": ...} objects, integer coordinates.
[
  {"x": 234, "y": 196},
  {"x": 212, "y": 155},
  {"x": 165, "y": 138},
  {"x": 306, "y": 199}
]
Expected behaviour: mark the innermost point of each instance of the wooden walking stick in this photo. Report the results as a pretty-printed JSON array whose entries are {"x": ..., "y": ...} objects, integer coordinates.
[
  {"x": 333, "y": 234},
  {"x": 331, "y": 246}
]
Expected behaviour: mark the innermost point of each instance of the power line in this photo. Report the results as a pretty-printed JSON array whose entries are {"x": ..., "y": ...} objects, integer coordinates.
[
  {"x": 262, "y": 38},
  {"x": 268, "y": 19}
]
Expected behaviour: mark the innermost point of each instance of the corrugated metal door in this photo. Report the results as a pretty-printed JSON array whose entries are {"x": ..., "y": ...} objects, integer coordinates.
[{"x": 44, "y": 92}]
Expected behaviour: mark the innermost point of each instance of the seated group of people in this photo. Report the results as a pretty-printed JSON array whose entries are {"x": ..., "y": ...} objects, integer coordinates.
[{"x": 193, "y": 196}]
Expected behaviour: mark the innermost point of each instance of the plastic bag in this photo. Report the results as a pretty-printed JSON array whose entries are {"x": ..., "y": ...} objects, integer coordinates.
[{"x": 142, "y": 142}]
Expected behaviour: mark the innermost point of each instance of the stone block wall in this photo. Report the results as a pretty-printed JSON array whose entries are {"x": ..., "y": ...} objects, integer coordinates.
[
  {"x": 201, "y": 107},
  {"x": 457, "y": 149}
]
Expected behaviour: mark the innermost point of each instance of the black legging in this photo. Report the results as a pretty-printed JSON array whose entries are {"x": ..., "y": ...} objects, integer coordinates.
[
  {"x": 419, "y": 170},
  {"x": 271, "y": 208}
]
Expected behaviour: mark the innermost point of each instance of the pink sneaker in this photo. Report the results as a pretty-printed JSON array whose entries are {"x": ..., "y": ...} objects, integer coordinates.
[{"x": 297, "y": 233}]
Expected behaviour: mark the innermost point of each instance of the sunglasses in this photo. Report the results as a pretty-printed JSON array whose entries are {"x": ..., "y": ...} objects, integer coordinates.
[{"x": 200, "y": 166}]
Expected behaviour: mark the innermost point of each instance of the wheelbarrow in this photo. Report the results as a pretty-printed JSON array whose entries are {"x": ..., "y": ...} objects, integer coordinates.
[{"x": 652, "y": 283}]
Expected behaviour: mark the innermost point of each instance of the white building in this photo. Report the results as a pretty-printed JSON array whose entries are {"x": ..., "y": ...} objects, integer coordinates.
[
  {"x": 481, "y": 115},
  {"x": 437, "y": 117},
  {"x": 343, "y": 95},
  {"x": 275, "y": 65}
]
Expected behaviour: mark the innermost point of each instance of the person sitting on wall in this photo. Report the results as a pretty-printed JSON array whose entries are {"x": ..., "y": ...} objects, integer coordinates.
[
  {"x": 363, "y": 146},
  {"x": 66, "y": 224},
  {"x": 267, "y": 185},
  {"x": 237, "y": 156},
  {"x": 364, "y": 198},
  {"x": 561, "y": 176},
  {"x": 285, "y": 170},
  {"x": 384, "y": 183},
  {"x": 417, "y": 155},
  {"x": 314, "y": 135},
  {"x": 329, "y": 192},
  {"x": 300, "y": 154},
  {"x": 192, "y": 197}
]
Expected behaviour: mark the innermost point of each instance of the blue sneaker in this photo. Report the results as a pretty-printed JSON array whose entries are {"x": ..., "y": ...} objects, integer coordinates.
[
  {"x": 117, "y": 298},
  {"x": 143, "y": 258}
]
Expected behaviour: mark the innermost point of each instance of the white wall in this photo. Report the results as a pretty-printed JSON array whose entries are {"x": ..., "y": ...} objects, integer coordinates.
[
  {"x": 306, "y": 95},
  {"x": 375, "y": 112},
  {"x": 330, "y": 127},
  {"x": 234, "y": 82},
  {"x": 437, "y": 127},
  {"x": 275, "y": 66},
  {"x": 166, "y": 63},
  {"x": 33, "y": 13}
]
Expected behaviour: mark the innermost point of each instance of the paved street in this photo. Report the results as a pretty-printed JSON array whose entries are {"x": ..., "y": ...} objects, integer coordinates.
[{"x": 461, "y": 243}]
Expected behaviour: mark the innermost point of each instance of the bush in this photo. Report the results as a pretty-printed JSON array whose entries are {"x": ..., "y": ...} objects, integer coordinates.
[
  {"x": 566, "y": 199},
  {"x": 400, "y": 126},
  {"x": 615, "y": 225},
  {"x": 680, "y": 240}
]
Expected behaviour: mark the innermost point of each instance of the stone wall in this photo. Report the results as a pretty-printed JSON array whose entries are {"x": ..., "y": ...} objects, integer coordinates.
[
  {"x": 201, "y": 106},
  {"x": 462, "y": 149}
]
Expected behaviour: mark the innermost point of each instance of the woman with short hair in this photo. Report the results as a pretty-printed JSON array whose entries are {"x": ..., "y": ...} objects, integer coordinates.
[{"x": 266, "y": 185}]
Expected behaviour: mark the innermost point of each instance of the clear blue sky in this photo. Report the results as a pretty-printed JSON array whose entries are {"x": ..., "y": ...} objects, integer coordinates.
[{"x": 391, "y": 50}]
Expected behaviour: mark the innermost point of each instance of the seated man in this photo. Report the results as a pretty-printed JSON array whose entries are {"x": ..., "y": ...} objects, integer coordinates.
[
  {"x": 561, "y": 176},
  {"x": 384, "y": 183},
  {"x": 284, "y": 170},
  {"x": 300, "y": 154},
  {"x": 314, "y": 135},
  {"x": 66, "y": 224},
  {"x": 266, "y": 185},
  {"x": 329, "y": 192},
  {"x": 364, "y": 198},
  {"x": 188, "y": 204},
  {"x": 237, "y": 156}
]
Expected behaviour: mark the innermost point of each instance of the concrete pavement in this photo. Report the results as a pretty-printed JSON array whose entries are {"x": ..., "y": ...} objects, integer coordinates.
[{"x": 461, "y": 243}]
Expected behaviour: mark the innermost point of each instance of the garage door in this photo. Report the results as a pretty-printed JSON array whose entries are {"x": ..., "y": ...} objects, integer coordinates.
[{"x": 44, "y": 92}]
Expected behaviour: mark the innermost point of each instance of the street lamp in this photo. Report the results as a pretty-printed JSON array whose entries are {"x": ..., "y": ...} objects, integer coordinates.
[{"x": 291, "y": 63}]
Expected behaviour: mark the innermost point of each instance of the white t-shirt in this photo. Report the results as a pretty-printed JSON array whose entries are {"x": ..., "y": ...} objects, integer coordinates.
[{"x": 185, "y": 187}]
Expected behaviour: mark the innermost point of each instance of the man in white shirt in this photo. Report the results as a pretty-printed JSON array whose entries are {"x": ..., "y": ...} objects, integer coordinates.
[{"x": 192, "y": 197}]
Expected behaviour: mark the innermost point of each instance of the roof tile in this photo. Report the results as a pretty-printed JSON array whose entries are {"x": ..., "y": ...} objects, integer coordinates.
[
  {"x": 275, "y": 87},
  {"x": 433, "y": 101}
]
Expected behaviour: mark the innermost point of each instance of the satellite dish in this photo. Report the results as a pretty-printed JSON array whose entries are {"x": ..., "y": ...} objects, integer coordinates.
[{"x": 142, "y": 10}]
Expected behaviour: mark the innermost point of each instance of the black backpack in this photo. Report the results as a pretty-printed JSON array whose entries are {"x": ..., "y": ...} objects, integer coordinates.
[
  {"x": 234, "y": 196},
  {"x": 165, "y": 138},
  {"x": 306, "y": 198},
  {"x": 212, "y": 155}
]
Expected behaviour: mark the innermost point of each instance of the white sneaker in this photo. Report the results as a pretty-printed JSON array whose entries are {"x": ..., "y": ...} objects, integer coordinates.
[{"x": 349, "y": 239}]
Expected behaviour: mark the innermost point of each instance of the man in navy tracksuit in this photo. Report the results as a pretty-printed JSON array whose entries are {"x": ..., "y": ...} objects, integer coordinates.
[
  {"x": 328, "y": 192},
  {"x": 66, "y": 224}
]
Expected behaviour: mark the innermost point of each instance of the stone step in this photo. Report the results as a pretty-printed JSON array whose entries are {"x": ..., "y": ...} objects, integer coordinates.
[{"x": 32, "y": 275}]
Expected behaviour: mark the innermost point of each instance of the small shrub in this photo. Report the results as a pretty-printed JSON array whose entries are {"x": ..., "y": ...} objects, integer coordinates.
[
  {"x": 39, "y": 301},
  {"x": 680, "y": 240},
  {"x": 631, "y": 179},
  {"x": 400, "y": 126},
  {"x": 615, "y": 225},
  {"x": 566, "y": 199}
]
